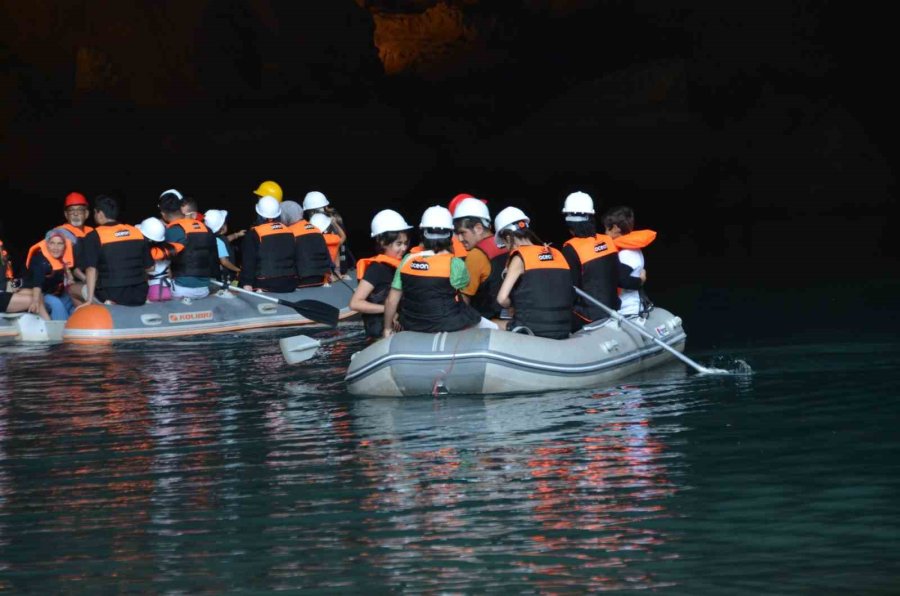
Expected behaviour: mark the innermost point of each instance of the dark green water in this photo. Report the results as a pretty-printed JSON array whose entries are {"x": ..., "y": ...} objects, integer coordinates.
[{"x": 198, "y": 466}]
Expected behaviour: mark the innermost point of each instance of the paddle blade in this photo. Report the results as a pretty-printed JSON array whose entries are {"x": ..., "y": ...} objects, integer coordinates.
[
  {"x": 317, "y": 311},
  {"x": 298, "y": 348}
]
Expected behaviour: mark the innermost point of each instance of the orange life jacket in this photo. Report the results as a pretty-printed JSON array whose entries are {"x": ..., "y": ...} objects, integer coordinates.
[
  {"x": 68, "y": 257},
  {"x": 363, "y": 264},
  {"x": 636, "y": 239},
  {"x": 77, "y": 232},
  {"x": 333, "y": 242}
]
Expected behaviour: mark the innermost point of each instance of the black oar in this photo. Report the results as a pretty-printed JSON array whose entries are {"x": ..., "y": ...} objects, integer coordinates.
[{"x": 313, "y": 310}]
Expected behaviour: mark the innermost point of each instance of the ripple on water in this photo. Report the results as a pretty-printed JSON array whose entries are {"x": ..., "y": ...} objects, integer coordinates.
[{"x": 213, "y": 466}]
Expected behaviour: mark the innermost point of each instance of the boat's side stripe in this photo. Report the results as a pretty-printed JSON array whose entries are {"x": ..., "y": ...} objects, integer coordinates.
[
  {"x": 106, "y": 335},
  {"x": 523, "y": 363}
]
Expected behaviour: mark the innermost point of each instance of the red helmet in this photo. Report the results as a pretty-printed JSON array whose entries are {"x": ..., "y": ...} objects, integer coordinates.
[
  {"x": 75, "y": 198},
  {"x": 458, "y": 199}
]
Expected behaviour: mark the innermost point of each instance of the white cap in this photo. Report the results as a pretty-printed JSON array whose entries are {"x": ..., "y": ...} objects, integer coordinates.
[
  {"x": 578, "y": 202},
  {"x": 388, "y": 220},
  {"x": 321, "y": 221},
  {"x": 510, "y": 218},
  {"x": 314, "y": 200},
  {"x": 268, "y": 207},
  {"x": 153, "y": 229},
  {"x": 215, "y": 219},
  {"x": 473, "y": 208}
]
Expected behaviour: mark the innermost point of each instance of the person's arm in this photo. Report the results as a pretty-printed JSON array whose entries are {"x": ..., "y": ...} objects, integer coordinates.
[
  {"x": 574, "y": 264},
  {"x": 248, "y": 271},
  {"x": 627, "y": 281},
  {"x": 91, "y": 256},
  {"x": 91, "y": 282},
  {"x": 514, "y": 269},
  {"x": 359, "y": 302},
  {"x": 459, "y": 275},
  {"x": 390, "y": 310}
]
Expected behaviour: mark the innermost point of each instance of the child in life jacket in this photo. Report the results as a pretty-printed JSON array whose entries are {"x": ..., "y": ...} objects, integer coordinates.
[
  {"x": 315, "y": 202},
  {"x": 216, "y": 221},
  {"x": 619, "y": 224},
  {"x": 375, "y": 275},
  {"x": 334, "y": 239},
  {"x": 160, "y": 282}
]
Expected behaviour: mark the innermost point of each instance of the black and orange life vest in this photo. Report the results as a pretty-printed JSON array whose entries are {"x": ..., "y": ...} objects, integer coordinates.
[
  {"x": 122, "y": 252},
  {"x": 276, "y": 255},
  {"x": 313, "y": 259},
  {"x": 543, "y": 295},
  {"x": 485, "y": 298},
  {"x": 599, "y": 274},
  {"x": 374, "y": 323},
  {"x": 430, "y": 303},
  {"x": 199, "y": 258}
]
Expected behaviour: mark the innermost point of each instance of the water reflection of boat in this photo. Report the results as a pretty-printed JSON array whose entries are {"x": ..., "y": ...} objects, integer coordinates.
[
  {"x": 568, "y": 486},
  {"x": 220, "y": 312},
  {"x": 477, "y": 361}
]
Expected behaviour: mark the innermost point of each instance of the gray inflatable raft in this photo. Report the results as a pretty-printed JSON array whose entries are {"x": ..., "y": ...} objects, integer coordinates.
[
  {"x": 479, "y": 361},
  {"x": 220, "y": 312}
]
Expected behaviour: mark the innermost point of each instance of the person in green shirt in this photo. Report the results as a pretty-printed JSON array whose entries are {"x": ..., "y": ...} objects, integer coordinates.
[{"x": 429, "y": 283}]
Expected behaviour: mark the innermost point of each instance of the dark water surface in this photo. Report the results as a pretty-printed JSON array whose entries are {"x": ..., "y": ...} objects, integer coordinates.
[{"x": 211, "y": 466}]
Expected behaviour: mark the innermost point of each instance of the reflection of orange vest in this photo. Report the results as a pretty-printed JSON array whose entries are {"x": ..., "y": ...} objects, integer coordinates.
[
  {"x": 636, "y": 239},
  {"x": 68, "y": 258},
  {"x": 458, "y": 249},
  {"x": 77, "y": 232},
  {"x": 363, "y": 264}
]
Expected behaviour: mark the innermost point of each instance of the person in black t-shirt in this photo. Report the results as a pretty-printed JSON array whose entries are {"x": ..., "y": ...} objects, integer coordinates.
[{"x": 375, "y": 274}]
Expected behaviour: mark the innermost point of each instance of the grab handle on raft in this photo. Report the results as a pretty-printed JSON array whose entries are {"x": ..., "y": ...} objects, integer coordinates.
[
  {"x": 314, "y": 310},
  {"x": 614, "y": 314}
]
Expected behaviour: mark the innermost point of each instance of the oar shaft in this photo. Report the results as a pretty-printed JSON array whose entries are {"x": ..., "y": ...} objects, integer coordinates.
[
  {"x": 640, "y": 330},
  {"x": 241, "y": 290}
]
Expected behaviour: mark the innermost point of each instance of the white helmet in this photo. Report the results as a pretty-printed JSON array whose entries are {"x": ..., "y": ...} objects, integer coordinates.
[
  {"x": 268, "y": 207},
  {"x": 388, "y": 220},
  {"x": 314, "y": 200},
  {"x": 215, "y": 219},
  {"x": 578, "y": 202},
  {"x": 321, "y": 221},
  {"x": 473, "y": 208},
  {"x": 437, "y": 217},
  {"x": 509, "y": 219},
  {"x": 153, "y": 229},
  {"x": 171, "y": 191}
]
